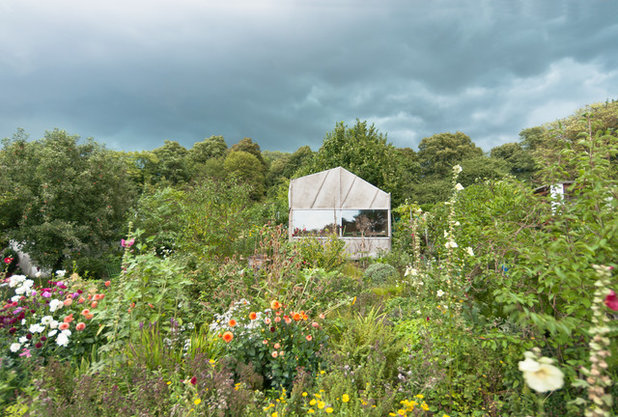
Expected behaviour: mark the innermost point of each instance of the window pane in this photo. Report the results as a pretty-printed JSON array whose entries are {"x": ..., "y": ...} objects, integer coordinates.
[
  {"x": 368, "y": 223},
  {"x": 314, "y": 222}
]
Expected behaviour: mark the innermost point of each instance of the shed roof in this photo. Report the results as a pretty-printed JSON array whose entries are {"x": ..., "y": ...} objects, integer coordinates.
[{"x": 336, "y": 188}]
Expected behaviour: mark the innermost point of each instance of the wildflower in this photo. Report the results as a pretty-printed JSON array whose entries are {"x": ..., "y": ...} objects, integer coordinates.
[
  {"x": 193, "y": 380},
  {"x": 36, "y": 328},
  {"x": 80, "y": 326},
  {"x": 287, "y": 320},
  {"x": 15, "y": 347},
  {"x": 451, "y": 244},
  {"x": 8, "y": 260},
  {"x": 275, "y": 414},
  {"x": 304, "y": 394},
  {"x": 228, "y": 336},
  {"x": 60, "y": 273},
  {"x": 275, "y": 305},
  {"x": 266, "y": 320},
  {"x": 410, "y": 271},
  {"x": 459, "y": 187},
  {"x": 68, "y": 318},
  {"x": 253, "y": 316},
  {"x": 67, "y": 302},
  {"x": 322, "y": 316},
  {"x": 297, "y": 317},
  {"x": 197, "y": 401},
  {"x": 611, "y": 300},
  {"x": 315, "y": 325},
  {"x": 25, "y": 353},
  {"x": 313, "y": 401},
  {"x": 345, "y": 398},
  {"x": 94, "y": 304},
  {"x": 127, "y": 243},
  {"x": 424, "y": 406},
  {"x": 89, "y": 316},
  {"x": 277, "y": 319},
  {"x": 232, "y": 323},
  {"x": 440, "y": 293},
  {"x": 63, "y": 326},
  {"x": 276, "y": 345},
  {"x": 107, "y": 283},
  {"x": 274, "y": 354},
  {"x": 329, "y": 410},
  {"x": 311, "y": 411},
  {"x": 85, "y": 312},
  {"x": 470, "y": 251},
  {"x": 540, "y": 374},
  {"x": 457, "y": 169},
  {"x": 321, "y": 404},
  {"x": 309, "y": 338}
]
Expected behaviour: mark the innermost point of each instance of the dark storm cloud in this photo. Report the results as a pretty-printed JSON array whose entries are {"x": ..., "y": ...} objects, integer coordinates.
[{"x": 132, "y": 74}]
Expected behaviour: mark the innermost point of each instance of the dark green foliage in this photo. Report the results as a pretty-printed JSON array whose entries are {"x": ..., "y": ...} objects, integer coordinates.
[{"x": 64, "y": 200}]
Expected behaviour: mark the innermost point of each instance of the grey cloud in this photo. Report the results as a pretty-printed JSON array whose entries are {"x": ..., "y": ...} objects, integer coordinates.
[{"x": 285, "y": 72}]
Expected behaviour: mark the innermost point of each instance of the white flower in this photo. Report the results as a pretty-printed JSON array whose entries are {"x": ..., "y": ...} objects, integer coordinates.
[
  {"x": 470, "y": 251},
  {"x": 60, "y": 273},
  {"x": 45, "y": 320},
  {"x": 36, "y": 328},
  {"x": 15, "y": 298},
  {"x": 450, "y": 244},
  {"x": 540, "y": 375},
  {"x": 53, "y": 324},
  {"x": 15, "y": 347},
  {"x": 458, "y": 187},
  {"x": 16, "y": 279},
  {"x": 440, "y": 293},
  {"x": 456, "y": 223},
  {"x": 38, "y": 274},
  {"x": 55, "y": 305},
  {"x": 23, "y": 339},
  {"x": 62, "y": 339},
  {"x": 411, "y": 271},
  {"x": 52, "y": 333},
  {"x": 457, "y": 169}
]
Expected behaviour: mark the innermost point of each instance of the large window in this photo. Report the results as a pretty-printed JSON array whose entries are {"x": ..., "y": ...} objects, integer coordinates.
[
  {"x": 345, "y": 223},
  {"x": 368, "y": 223}
]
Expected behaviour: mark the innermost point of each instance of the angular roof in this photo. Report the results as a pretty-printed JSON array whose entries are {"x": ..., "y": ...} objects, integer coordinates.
[{"x": 336, "y": 188}]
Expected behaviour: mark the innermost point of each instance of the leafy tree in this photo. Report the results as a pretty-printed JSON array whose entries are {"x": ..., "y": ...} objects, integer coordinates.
[
  {"x": 65, "y": 201},
  {"x": 167, "y": 163},
  {"x": 249, "y": 146},
  {"x": 245, "y": 167},
  {"x": 205, "y": 159},
  {"x": 439, "y": 153},
  {"x": 362, "y": 150},
  {"x": 520, "y": 161}
]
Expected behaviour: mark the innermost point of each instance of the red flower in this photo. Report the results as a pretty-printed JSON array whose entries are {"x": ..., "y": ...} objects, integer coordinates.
[
  {"x": 80, "y": 326},
  {"x": 108, "y": 283},
  {"x": 252, "y": 315},
  {"x": 232, "y": 323},
  {"x": 611, "y": 301},
  {"x": 8, "y": 260},
  {"x": 194, "y": 380},
  {"x": 228, "y": 336}
]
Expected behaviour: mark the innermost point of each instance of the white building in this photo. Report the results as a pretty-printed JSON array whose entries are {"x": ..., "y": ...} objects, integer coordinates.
[{"x": 337, "y": 201}]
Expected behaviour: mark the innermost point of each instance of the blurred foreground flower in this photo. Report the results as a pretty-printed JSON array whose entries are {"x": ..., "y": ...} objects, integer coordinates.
[{"x": 540, "y": 374}]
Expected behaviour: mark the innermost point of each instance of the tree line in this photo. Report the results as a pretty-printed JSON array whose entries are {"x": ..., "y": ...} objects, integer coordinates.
[{"x": 69, "y": 200}]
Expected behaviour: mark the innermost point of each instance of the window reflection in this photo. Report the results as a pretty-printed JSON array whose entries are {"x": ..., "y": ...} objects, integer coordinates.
[
  {"x": 368, "y": 223},
  {"x": 345, "y": 223},
  {"x": 314, "y": 222}
]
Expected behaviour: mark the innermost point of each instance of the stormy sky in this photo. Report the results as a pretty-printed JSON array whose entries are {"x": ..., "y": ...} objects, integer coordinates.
[{"x": 134, "y": 73}]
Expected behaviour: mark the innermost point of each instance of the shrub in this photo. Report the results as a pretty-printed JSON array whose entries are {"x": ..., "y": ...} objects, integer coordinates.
[{"x": 380, "y": 274}]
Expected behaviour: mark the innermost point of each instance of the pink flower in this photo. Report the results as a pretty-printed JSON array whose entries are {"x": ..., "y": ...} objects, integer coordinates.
[
  {"x": 80, "y": 326},
  {"x": 26, "y": 353},
  {"x": 611, "y": 301},
  {"x": 127, "y": 243}
]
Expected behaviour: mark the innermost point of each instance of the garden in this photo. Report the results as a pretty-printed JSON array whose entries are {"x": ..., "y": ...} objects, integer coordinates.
[{"x": 498, "y": 301}]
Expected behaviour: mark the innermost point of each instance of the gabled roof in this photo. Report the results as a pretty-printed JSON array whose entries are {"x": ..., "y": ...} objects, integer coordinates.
[{"x": 336, "y": 188}]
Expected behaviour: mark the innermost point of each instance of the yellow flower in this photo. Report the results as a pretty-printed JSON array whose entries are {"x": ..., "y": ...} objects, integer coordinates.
[
  {"x": 197, "y": 401},
  {"x": 421, "y": 396},
  {"x": 317, "y": 395},
  {"x": 312, "y": 402},
  {"x": 424, "y": 406},
  {"x": 446, "y": 415},
  {"x": 329, "y": 410},
  {"x": 321, "y": 404},
  {"x": 169, "y": 382},
  {"x": 311, "y": 411},
  {"x": 392, "y": 414},
  {"x": 275, "y": 414},
  {"x": 304, "y": 394},
  {"x": 345, "y": 398},
  {"x": 322, "y": 372}
]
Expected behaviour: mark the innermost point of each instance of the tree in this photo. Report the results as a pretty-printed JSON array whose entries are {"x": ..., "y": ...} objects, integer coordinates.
[
  {"x": 246, "y": 168},
  {"x": 439, "y": 153},
  {"x": 64, "y": 200},
  {"x": 169, "y": 164},
  {"x": 362, "y": 150},
  {"x": 520, "y": 161},
  {"x": 247, "y": 145}
]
